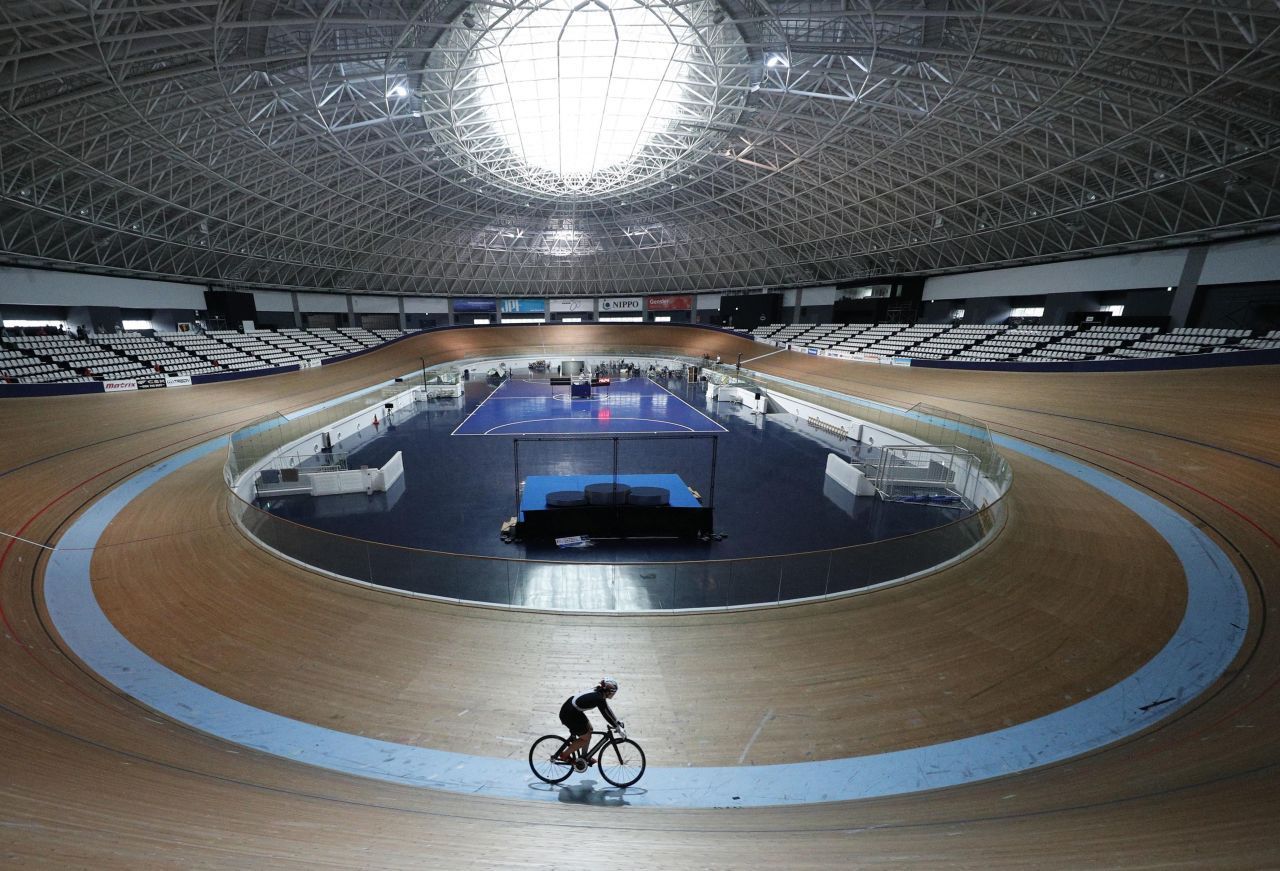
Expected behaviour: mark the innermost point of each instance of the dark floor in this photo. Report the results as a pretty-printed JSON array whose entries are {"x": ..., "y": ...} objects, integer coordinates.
[{"x": 458, "y": 490}]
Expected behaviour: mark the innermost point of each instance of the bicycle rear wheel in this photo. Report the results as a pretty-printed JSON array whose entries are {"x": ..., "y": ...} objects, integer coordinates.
[
  {"x": 621, "y": 762},
  {"x": 544, "y": 768}
]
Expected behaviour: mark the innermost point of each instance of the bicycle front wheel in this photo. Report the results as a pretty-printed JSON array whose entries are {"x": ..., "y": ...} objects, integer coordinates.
[
  {"x": 544, "y": 767},
  {"x": 621, "y": 762}
]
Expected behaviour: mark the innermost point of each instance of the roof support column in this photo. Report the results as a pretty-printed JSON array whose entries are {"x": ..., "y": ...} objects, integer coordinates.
[{"x": 1185, "y": 294}]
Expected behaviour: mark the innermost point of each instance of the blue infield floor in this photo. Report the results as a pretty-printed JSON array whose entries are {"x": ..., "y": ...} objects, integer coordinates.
[{"x": 634, "y": 405}]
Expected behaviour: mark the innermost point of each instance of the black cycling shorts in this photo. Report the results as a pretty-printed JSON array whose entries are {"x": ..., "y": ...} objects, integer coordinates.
[{"x": 574, "y": 720}]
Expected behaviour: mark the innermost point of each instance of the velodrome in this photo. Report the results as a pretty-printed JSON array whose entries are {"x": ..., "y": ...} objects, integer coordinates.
[
  {"x": 1082, "y": 590},
  {"x": 884, "y": 394}
]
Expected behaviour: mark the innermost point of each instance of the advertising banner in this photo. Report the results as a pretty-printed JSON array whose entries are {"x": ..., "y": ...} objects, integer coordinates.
[
  {"x": 177, "y": 380},
  {"x": 621, "y": 305},
  {"x": 475, "y": 305},
  {"x": 524, "y": 306},
  {"x": 585, "y": 306},
  {"x": 670, "y": 303},
  {"x": 119, "y": 386},
  {"x": 150, "y": 382}
]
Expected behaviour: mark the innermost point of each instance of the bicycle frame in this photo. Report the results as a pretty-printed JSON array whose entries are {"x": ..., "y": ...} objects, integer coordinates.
[
  {"x": 593, "y": 749},
  {"x": 620, "y": 759}
]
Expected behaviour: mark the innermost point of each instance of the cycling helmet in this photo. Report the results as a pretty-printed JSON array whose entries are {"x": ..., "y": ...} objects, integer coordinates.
[{"x": 607, "y": 685}]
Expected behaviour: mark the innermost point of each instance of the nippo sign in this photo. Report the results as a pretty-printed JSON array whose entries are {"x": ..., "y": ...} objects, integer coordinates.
[{"x": 625, "y": 304}]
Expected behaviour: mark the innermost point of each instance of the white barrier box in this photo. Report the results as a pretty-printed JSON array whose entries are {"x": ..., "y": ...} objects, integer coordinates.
[{"x": 848, "y": 477}]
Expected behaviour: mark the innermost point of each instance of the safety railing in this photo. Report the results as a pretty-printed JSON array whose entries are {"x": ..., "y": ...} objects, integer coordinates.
[
  {"x": 649, "y": 586},
  {"x": 923, "y": 424},
  {"x": 641, "y": 586}
]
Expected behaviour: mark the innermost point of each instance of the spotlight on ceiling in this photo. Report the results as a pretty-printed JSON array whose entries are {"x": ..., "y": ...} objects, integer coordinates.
[
  {"x": 398, "y": 91},
  {"x": 777, "y": 60},
  {"x": 468, "y": 21}
]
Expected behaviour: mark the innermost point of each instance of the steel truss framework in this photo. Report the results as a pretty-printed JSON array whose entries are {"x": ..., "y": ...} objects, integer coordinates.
[{"x": 302, "y": 145}]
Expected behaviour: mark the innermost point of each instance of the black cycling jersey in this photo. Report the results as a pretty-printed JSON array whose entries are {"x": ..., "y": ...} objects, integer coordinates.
[{"x": 595, "y": 699}]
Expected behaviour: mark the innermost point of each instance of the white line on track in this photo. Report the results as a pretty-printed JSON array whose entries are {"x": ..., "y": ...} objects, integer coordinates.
[{"x": 768, "y": 715}]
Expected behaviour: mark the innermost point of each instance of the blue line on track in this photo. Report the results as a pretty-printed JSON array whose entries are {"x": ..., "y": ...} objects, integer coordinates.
[{"x": 1206, "y": 641}]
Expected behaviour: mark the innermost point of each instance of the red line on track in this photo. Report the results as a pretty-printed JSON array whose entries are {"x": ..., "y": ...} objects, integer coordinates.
[
  {"x": 1236, "y": 711},
  {"x": 1246, "y": 518},
  {"x": 4, "y": 617}
]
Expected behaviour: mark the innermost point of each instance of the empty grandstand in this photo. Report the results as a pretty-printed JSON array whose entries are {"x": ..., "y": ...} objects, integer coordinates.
[{"x": 60, "y": 358}]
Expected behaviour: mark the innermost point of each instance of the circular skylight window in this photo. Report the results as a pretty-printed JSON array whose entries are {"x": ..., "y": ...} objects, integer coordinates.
[{"x": 579, "y": 98}]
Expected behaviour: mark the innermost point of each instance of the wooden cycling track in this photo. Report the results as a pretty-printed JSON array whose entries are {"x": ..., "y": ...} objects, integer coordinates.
[{"x": 1074, "y": 594}]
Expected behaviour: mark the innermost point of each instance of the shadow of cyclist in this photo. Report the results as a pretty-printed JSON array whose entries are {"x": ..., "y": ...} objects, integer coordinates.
[{"x": 585, "y": 792}]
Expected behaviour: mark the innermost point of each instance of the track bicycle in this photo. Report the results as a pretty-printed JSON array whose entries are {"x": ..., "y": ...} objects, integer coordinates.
[{"x": 621, "y": 760}]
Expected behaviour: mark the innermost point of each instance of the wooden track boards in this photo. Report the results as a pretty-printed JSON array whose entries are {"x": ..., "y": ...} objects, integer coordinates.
[{"x": 1075, "y": 593}]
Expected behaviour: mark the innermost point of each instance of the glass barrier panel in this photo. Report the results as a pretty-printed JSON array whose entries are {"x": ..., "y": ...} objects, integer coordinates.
[
  {"x": 805, "y": 575},
  {"x": 451, "y": 576},
  {"x": 702, "y": 584},
  {"x": 587, "y": 587},
  {"x": 754, "y": 581},
  {"x": 347, "y": 557},
  {"x": 657, "y": 583},
  {"x": 625, "y": 587},
  {"x": 849, "y": 569}
]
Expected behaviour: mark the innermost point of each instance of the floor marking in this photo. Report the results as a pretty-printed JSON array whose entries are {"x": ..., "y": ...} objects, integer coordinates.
[
  {"x": 687, "y": 405},
  {"x": 762, "y": 356},
  {"x": 1203, "y": 646},
  {"x": 768, "y": 715},
  {"x": 480, "y": 406},
  {"x": 588, "y": 421}
]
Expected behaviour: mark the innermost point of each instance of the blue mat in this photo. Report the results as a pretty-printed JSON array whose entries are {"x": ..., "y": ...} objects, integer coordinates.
[
  {"x": 632, "y": 406},
  {"x": 536, "y": 488}
]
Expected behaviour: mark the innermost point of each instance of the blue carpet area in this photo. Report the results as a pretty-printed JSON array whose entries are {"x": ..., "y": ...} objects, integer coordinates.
[
  {"x": 769, "y": 497},
  {"x": 633, "y": 405}
]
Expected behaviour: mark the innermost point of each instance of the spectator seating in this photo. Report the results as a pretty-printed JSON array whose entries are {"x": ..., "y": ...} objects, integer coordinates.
[
  {"x": 1027, "y": 343},
  {"x": 60, "y": 357}
]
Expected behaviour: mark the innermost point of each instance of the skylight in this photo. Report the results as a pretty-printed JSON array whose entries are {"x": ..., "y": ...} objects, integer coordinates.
[
  {"x": 579, "y": 87},
  {"x": 573, "y": 99}
]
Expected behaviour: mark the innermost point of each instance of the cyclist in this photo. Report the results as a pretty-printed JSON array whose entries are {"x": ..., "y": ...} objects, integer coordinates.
[{"x": 575, "y": 720}]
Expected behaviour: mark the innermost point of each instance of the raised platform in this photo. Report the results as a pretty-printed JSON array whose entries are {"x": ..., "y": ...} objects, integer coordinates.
[{"x": 601, "y": 506}]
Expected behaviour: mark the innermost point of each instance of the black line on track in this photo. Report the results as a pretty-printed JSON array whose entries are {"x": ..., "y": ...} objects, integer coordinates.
[
  {"x": 181, "y": 728},
  {"x": 1198, "y": 704},
  {"x": 247, "y": 753},
  {"x": 230, "y": 410}
]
